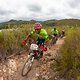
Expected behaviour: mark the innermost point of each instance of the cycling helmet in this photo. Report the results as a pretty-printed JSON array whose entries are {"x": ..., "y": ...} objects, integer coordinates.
[
  {"x": 63, "y": 30},
  {"x": 37, "y": 26}
]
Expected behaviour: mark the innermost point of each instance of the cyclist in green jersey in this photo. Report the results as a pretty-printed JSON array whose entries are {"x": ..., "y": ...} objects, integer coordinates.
[
  {"x": 41, "y": 33},
  {"x": 55, "y": 32}
]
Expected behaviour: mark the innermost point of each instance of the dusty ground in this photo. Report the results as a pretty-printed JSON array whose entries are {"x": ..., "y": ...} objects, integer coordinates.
[{"x": 11, "y": 68}]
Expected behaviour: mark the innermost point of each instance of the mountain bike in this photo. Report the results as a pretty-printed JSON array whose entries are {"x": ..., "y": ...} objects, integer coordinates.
[
  {"x": 53, "y": 40},
  {"x": 35, "y": 53},
  {"x": 62, "y": 34}
]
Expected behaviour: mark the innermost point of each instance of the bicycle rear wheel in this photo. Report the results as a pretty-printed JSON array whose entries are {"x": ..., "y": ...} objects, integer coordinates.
[
  {"x": 27, "y": 66},
  {"x": 52, "y": 42}
]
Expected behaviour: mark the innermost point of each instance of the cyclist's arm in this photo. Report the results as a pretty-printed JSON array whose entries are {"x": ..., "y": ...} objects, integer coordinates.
[{"x": 28, "y": 36}]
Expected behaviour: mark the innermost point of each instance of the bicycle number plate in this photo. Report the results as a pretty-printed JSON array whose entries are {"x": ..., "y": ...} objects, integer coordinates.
[{"x": 34, "y": 47}]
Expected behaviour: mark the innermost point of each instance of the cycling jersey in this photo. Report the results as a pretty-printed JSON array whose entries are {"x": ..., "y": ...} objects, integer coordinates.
[
  {"x": 42, "y": 33},
  {"x": 54, "y": 31}
]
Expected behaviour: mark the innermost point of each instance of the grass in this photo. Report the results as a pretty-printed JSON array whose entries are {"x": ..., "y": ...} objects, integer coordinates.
[
  {"x": 68, "y": 65},
  {"x": 10, "y": 39}
]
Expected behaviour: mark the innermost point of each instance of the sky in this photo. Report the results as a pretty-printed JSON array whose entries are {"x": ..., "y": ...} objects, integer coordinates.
[{"x": 39, "y": 9}]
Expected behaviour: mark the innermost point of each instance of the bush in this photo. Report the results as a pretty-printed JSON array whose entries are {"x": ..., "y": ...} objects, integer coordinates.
[
  {"x": 69, "y": 62},
  {"x": 10, "y": 40}
]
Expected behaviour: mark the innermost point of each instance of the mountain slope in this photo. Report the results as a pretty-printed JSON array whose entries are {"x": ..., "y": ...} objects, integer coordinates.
[
  {"x": 64, "y": 22},
  {"x": 51, "y": 23}
]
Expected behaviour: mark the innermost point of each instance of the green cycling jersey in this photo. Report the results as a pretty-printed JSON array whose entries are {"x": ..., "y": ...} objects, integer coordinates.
[
  {"x": 55, "y": 31},
  {"x": 43, "y": 34}
]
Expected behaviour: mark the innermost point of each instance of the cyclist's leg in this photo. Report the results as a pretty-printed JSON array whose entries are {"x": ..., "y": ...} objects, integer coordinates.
[
  {"x": 54, "y": 39},
  {"x": 42, "y": 41},
  {"x": 63, "y": 33},
  {"x": 38, "y": 41}
]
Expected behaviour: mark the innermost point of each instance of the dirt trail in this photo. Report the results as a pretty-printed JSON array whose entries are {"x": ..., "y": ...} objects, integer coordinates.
[{"x": 11, "y": 68}]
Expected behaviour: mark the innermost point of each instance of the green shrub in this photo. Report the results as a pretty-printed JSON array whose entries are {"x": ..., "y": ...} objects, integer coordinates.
[
  {"x": 10, "y": 39},
  {"x": 69, "y": 62}
]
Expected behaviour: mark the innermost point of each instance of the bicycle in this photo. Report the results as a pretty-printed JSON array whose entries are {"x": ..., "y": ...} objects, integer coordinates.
[
  {"x": 53, "y": 40},
  {"x": 34, "y": 54},
  {"x": 62, "y": 34}
]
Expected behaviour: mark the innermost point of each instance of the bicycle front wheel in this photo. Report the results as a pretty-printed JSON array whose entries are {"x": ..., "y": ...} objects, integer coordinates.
[{"x": 27, "y": 66}]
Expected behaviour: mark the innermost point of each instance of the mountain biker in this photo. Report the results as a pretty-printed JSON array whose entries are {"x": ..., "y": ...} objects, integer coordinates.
[
  {"x": 62, "y": 33},
  {"x": 55, "y": 32},
  {"x": 41, "y": 34}
]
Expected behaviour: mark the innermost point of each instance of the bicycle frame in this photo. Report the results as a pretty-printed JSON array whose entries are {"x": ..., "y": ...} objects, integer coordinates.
[{"x": 29, "y": 61}]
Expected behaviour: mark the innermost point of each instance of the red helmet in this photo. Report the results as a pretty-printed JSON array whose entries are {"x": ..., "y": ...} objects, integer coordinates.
[{"x": 37, "y": 26}]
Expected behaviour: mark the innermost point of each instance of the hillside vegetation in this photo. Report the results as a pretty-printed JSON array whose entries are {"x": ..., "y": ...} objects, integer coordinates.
[
  {"x": 64, "y": 22},
  {"x": 68, "y": 62},
  {"x": 10, "y": 40},
  {"x": 15, "y": 23},
  {"x": 50, "y": 23}
]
